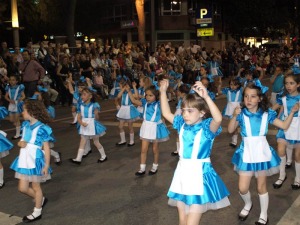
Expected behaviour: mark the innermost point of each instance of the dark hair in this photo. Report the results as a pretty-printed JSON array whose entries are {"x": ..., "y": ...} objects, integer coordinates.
[
  {"x": 37, "y": 110},
  {"x": 154, "y": 91},
  {"x": 263, "y": 104},
  {"x": 184, "y": 88},
  {"x": 195, "y": 101},
  {"x": 235, "y": 81},
  {"x": 94, "y": 96},
  {"x": 296, "y": 78}
]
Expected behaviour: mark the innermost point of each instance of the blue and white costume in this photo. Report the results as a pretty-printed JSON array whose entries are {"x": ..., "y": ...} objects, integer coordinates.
[
  {"x": 141, "y": 92},
  {"x": 153, "y": 129},
  {"x": 256, "y": 82},
  {"x": 31, "y": 160},
  {"x": 292, "y": 134},
  {"x": 234, "y": 97},
  {"x": 214, "y": 69},
  {"x": 51, "y": 111},
  {"x": 254, "y": 156},
  {"x": 15, "y": 94},
  {"x": 5, "y": 145},
  {"x": 195, "y": 182},
  {"x": 178, "y": 107},
  {"x": 94, "y": 127},
  {"x": 116, "y": 88},
  {"x": 127, "y": 112}
]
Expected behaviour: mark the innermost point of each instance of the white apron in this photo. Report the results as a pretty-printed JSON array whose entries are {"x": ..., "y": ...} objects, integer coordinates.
[
  {"x": 90, "y": 128},
  {"x": 232, "y": 105},
  {"x": 188, "y": 177},
  {"x": 214, "y": 69},
  {"x": 256, "y": 148},
  {"x": 293, "y": 132},
  {"x": 149, "y": 128},
  {"x": 13, "y": 107},
  {"x": 124, "y": 111},
  {"x": 27, "y": 155}
]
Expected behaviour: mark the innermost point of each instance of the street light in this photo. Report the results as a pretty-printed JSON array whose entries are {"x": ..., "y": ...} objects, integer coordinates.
[{"x": 15, "y": 22}]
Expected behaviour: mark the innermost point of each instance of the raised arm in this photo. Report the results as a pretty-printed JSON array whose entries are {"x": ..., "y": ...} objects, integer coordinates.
[
  {"x": 133, "y": 97},
  {"x": 201, "y": 90},
  {"x": 285, "y": 124},
  {"x": 165, "y": 108},
  {"x": 233, "y": 124}
]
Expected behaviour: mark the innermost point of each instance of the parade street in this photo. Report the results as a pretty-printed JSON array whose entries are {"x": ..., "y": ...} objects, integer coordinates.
[{"x": 110, "y": 194}]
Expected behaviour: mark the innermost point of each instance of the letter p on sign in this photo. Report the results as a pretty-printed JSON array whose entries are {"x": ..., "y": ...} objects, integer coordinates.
[{"x": 203, "y": 12}]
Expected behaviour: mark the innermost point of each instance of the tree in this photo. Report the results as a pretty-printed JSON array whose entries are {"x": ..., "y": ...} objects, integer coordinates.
[
  {"x": 70, "y": 22},
  {"x": 139, "y": 4}
]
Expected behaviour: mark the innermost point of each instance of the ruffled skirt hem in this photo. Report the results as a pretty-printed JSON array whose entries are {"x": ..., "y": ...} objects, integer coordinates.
[
  {"x": 3, "y": 154},
  {"x": 156, "y": 140},
  {"x": 199, "y": 208},
  {"x": 32, "y": 178}
]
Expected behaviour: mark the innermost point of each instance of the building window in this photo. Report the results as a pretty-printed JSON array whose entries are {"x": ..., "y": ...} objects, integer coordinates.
[{"x": 170, "y": 8}]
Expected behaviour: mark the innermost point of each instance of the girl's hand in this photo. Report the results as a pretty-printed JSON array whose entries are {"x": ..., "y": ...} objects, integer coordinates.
[
  {"x": 200, "y": 89},
  {"x": 118, "y": 107},
  {"x": 295, "y": 108},
  {"x": 45, "y": 170},
  {"x": 164, "y": 84},
  {"x": 237, "y": 111},
  {"x": 22, "y": 144},
  {"x": 84, "y": 124},
  {"x": 12, "y": 101}
]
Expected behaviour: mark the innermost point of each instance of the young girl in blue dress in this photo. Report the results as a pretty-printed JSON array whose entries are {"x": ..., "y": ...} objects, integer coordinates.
[
  {"x": 234, "y": 97},
  {"x": 5, "y": 145},
  {"x": 32, "y": 164},
  {"x": 88, "y": 125},
  {"x": 254, "y": 156},
  {"x": 153, "y": 130},
  {"x": 195, "y": 187},
  {"x": 127, "y": 112},
  {"x": 291, "y": 136},
  {"x": 15, "y": 96}
]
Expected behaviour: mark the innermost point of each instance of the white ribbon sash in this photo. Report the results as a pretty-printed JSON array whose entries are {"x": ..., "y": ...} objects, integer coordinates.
[
  {"x": 293, "y": 132},
  {"x": 256, "y": 148}
]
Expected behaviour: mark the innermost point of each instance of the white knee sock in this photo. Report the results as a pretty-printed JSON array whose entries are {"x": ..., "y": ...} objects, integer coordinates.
[
  {"x": 36, "y": 212},
  {"x": 143, "y": 167},
  {"x": 131, "y": 138},
  {"x": 87, "y": 146},
  {"x": 54, "y": 154},
  {"x": 297, "y": 169},
  {"x": 247, "y": 200},
  {"x": 282, "y": 168},
  {"x": 74, "y": 114},
  {"x": 1, "y": 175},
  {"x": 264, "y": 204},
  {"x": 154, "y": 167},
  {"x": 18, "y": 130},
  {"x": 79, "y": 155},
  {"x": 234, "y": 139},
  {"x": 122, "y": 136},
  {"x": 289, "y": 154},
  {"x": 177, "y": 146},
  {"x": 102, "y": 152}
]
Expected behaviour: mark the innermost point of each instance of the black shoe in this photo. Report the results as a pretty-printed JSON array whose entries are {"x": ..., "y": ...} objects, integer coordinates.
[
  {"x": 287, "y": 166},
  {"x": 129, "y": 145},
  {"x": 244, "y": 217},
  {"x": 2, "y": 185},
  {"x": 89, "y": 152},
  {"x": 73, "y": 124},
  {"x": 140, "y": 173},
  {"x": 74, "y": 161},
  {"x": 120, "y": 144},
  {"x": 232, "y": 145},
  {"x": 277, "y": 186},
  {"x": 27, "y": 220},
  {"x": 175, "y": 153},
  {"x": 102, "y": 160},
  {"x": 296, "y": 186},
  {"x": 152, "y": 172},
  {"x": 15, "y": 137},
  {"x": 44, "y": 203},
  {"x": 260, "y": 223}
]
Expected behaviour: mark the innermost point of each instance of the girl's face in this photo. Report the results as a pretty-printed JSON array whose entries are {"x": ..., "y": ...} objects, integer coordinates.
[
  {"x": 142, "y": 84},
  {"x": 86, "y": 96},
  {"x": 191, "y": 116},
  {"x": 25, "y": 114},
  {"x": 251, "y": 99},
  {"x": 202, "y": 71},
  {"x": 12, "y": 81},
  {"x": 249, "y": 76},
  {"x": 150, "y": 97},
  {"x": 205, "y": 82},
  {"x": 291, "y": 86},
  {"x": 233, "y": 86}
]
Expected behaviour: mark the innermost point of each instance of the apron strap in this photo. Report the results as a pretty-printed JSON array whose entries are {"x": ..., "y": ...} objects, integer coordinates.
[
  {"x": 285, "y": 110},
  {"x": 237, "y": 96},
  {"x": 90, "y": 115},
  {"x": 33, "y": 134}
]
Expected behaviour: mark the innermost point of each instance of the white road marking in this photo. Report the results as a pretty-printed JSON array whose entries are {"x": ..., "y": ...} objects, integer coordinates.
[{"x": 9, "y": 219}]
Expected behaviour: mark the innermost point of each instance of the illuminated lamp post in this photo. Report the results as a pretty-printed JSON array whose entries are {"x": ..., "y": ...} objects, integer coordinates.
[{"x": 15, "y": 23}]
